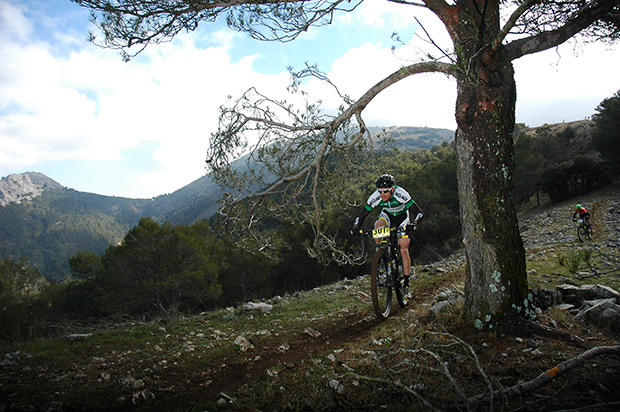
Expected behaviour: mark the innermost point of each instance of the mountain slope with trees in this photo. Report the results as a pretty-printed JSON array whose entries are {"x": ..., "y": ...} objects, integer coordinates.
[
  {"x": 48, "y": 223},
  {"x": 58, "y": 224}
]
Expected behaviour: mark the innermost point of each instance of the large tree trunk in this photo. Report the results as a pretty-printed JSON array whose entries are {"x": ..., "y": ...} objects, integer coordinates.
[{"x": 496, "y": 285}]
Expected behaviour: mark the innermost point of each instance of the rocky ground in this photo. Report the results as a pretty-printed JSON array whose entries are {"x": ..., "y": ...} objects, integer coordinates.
[{"x": 324, "y": 350}]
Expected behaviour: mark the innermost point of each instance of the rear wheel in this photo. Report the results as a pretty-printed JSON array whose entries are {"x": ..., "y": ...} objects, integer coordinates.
[{"x": 381, "y": 285}]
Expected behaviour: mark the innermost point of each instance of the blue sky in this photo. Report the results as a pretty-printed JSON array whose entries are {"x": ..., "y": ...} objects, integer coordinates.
[{"x": 93, "y": 123}]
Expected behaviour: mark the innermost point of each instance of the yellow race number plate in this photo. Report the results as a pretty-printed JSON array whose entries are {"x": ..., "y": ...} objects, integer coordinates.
[{"x": 381, "y": 232}]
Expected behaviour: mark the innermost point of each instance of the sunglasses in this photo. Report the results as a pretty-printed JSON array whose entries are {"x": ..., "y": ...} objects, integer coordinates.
[{"x": 384, "y": 191}]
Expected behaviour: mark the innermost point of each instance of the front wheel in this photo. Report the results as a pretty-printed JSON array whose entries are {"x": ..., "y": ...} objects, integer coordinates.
[
  {"x": 584, "y": 233},
  {"x": 381, "y": 285}
]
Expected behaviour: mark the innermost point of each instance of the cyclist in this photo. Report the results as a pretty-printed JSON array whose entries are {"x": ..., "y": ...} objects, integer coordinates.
[
  {"x": 397, "y": 205},
  {"x": 583, "y": 214}
]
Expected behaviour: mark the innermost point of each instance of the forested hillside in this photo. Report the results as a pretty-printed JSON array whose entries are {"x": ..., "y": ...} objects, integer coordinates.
[
  {"x": 52, "y": 227},
  {"x": 50, "y": 224},
  {"x": 559, "y": 160}
]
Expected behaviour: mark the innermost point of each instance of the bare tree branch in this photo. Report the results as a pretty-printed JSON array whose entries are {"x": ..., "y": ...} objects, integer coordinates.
[
  {"x": 408, "y": 3},
  {"x": 127, "y": 24},
  {"x": 549, "y": 375},
  {"x": 228, "y": 132},
  {"x": 430, "y": 39},
  {"x": 396, "y": 384},
  {"x": 574, "y": 24},
  {"x": 289, "y": 148},
  {"x": 512, "y": 20}
]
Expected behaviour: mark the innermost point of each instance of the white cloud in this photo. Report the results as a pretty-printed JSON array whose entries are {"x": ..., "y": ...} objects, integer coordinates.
[
  {"x": 92, "y": 106},
  {"x": 64, "y": 100},
  {"x": 13, "y": 25},
  {"x": 420, "y": 100},
  {"x": 565, "y": 84},
  {"x": 385, "y": 14}
]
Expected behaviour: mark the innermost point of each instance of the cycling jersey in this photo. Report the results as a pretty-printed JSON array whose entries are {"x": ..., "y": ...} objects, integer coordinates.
[
  {"x": 582, "y": 212},
  {"x": 398, "y": 203},
  {"x": 395, "y": 209}
]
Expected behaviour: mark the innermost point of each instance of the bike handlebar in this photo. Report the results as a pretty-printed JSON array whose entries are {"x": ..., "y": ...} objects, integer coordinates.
[{"x": 369, "y": 233}]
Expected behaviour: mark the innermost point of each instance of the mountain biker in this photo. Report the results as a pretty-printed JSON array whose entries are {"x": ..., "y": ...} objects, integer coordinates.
[
  {"x": 397, "y": 205},
  {"x": 583, "y": 214}
]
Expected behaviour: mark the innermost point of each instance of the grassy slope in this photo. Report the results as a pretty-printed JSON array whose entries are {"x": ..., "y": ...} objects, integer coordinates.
[{"x": 191, "y": 363}]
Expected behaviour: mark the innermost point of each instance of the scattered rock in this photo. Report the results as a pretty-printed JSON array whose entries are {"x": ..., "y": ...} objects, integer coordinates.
[
  {"x": 243, "y": 343},
  {"x": 440, "y": 307},
  {"x": 336, "y": 385},
  {"x": 598, "y": 303},
  {"x": 132, "y": 382},
  {"x": 285, "y": 347},
  {"x": 577, "y": 294},
  {"x": 545, "y": 298},
  {"x": 565, "y": 306},
  {"x": 602, "y": 312},
  {"x": 445, "y": 299},
  {"x": 276, "y": 299},
  {"x": 12, "y": 358},
  {"x": 142, "y": 396},
  {"x": 260, "y": 307},
  {"x": 309, "y": 331},
  {"x": 79, "y": 336},
  {"x": 218, "y": 334}
]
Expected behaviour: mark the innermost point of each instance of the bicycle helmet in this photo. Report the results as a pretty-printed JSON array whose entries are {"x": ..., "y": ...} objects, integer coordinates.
[
  {"x": 578, "y": 206},
  {"x": 385, "y": 180}
]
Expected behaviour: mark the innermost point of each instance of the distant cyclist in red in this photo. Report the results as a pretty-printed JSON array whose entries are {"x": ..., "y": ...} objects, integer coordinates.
[{"x": 583, "y": 214}]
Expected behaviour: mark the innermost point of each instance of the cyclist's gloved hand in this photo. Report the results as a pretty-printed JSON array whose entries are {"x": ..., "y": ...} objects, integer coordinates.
[{"x": 418, "y": 217}]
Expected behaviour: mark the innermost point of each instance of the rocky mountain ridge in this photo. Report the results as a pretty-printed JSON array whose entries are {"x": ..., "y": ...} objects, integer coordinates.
[
  {"x": 16, "y": 188},
  {"x": 19, "y": 187}
]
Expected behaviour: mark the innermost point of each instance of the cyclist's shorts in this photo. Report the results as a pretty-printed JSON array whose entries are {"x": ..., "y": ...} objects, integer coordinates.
[{"x": 401, "y": 220}]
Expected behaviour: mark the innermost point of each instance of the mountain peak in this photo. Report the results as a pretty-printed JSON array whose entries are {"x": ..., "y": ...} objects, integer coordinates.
[{"x": 19, "y": 187}]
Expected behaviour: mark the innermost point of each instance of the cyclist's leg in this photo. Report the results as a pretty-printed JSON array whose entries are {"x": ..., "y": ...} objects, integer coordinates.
[
  {"x": 383, "y": 220},
  {"x": 403, "y": 243},
  {"x": 404, "y": 252}
]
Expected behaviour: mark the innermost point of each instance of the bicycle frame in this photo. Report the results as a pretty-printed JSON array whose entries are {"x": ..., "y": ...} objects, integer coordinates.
[
  {"x": 394, "y": 248},
  {"x": 386, "y": 264},
  {"x": 584, "y": 231}
]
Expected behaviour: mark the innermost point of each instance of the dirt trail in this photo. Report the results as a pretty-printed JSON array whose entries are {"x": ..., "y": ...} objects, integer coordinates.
[{"x": 231, "y": 376}]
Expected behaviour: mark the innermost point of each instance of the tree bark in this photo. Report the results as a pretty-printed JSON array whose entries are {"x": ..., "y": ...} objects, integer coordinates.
[{"x": 496, "y": 283}]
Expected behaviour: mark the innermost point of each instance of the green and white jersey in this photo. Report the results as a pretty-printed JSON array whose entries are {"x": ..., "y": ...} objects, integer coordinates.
[{"x": 398, "y": 203}]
